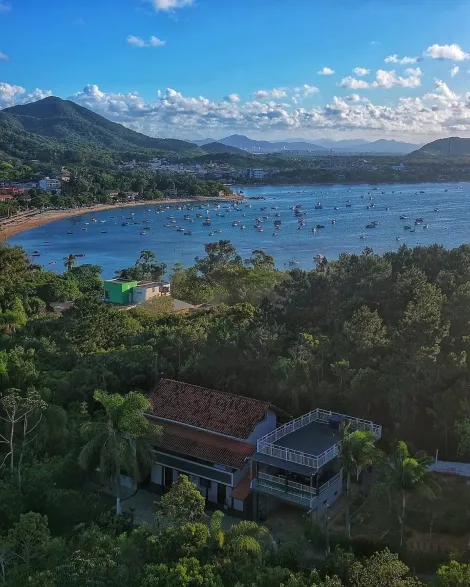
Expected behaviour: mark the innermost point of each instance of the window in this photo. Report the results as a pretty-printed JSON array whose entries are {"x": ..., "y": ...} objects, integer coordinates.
[{"x": 205, "y": 482}]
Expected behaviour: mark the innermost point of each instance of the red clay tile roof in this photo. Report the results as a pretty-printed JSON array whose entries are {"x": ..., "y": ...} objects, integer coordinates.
[
  {"x": 225, "y": 413},
  {"x": 242, "y": 490},
  {"x": 202, "y": 445}
]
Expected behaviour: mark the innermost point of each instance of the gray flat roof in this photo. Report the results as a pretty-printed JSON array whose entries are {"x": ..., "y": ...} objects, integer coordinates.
[{"x": 312, "y": 439}]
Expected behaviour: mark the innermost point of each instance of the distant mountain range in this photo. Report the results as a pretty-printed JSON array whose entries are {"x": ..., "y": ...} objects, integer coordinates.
[
  {"x": 354, "y": 146},
  {"x": 450, "y": 147}
]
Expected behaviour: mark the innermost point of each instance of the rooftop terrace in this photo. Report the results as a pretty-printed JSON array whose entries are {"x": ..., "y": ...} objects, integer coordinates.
[{"x": 309, "y": 442}]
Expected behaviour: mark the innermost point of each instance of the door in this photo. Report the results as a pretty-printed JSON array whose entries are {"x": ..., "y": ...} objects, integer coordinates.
[
  {"x": 168, "y": 477},
  {"x": 221, "y": 494}
]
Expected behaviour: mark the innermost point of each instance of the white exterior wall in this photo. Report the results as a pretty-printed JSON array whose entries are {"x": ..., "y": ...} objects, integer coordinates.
[
  {"x": 267, "y": 425},
  {"x": 142, "y": 294}
]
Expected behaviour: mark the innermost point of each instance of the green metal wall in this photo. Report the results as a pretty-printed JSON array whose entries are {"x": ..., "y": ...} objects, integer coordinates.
[{"x": 119, "y": 292}]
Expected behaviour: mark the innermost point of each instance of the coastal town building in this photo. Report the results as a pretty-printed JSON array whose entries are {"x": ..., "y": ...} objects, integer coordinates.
[
  {"x": 254, "y": 173},
  {"x": 232, "y": 448},
  {"x": 124, "y": 292},
  {"x": 48, "y": 184}
]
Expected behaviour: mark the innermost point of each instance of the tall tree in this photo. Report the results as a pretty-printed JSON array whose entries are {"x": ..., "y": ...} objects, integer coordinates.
[
  {"x": 357, "y": 451},
  {"x": 70, "y": 261},
  {"x": 409, "y": 474},
  {"x": 119, "y": 442}
]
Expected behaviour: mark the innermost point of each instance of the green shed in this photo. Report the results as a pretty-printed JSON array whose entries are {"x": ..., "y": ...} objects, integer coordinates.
[{"x": 119, "y": 291}]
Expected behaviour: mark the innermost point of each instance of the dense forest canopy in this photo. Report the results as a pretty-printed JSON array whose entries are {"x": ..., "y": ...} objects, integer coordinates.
[{"x": 380, "y": 337}]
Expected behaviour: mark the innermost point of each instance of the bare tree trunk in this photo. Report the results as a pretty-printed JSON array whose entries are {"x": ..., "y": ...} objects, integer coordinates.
[
  {"x": 118, "y": 491},
  {"x": 403, "y": 511},
  {"x": 12, "y": 434},
  {"x": 348, "y": 504}
]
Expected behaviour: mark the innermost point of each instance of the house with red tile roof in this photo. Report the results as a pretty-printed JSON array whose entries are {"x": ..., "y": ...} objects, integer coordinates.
[{"x": 209, "y": 436}]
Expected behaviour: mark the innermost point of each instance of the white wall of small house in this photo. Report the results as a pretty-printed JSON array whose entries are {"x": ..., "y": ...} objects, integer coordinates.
[{"x": 268, "y": 424}]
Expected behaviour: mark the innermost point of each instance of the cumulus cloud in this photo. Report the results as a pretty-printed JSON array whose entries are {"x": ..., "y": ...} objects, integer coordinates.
[
  {"x": 11, "y": 95},
  {"x": 356, "y": 98},
  {"x": 305, "y": 90},
  {"x": 454, "y": 70},
  {"x": 403, "y": 61},
  {"x": 274, "y": 93},
  {"x": 171, "y": 113},
  {"x": 453, "y": 52},
  {"x": 361, "y": 71},
  {"x": 4, "y": 8},
  {"x": 138, "y": 42},
  {"x": 3, "y": 57},
  {"x": 352, "y": 83},
  {"x": 326, "y": 71},
  {"x": 169, "y": 5},
  {"x": 233, "y": 98},
  {"x": 385, "y": 79}
]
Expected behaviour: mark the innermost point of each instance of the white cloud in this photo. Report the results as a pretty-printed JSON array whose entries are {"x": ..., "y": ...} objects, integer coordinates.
[
  {"x": 361, "y": 71},
  {"x": 4, "y": 8},
  {"x": 454, "y": 70},
  {"x": 171, "y": 113},
  {"x": 169, "y": 5},
  {"x": 453, "y": 52},
  {"x": 138, "y": 42},
  {"x": 385, "y": 79},
  {"x": 402, "y": 61},
  {"x": 274, "y": 93},
  {"x": 232, "y": 98},
  {"x": 326, "y": 71},
  {"x": 305, "y": 90},
  {"x": 3, "y": 57},
  {"x": 352, "y": 83},
  {"x": 355, "y": 98},
  {"x": 11, "y": 95}
]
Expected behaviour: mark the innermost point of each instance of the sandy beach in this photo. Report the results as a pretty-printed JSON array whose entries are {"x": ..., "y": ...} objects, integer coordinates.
[{"x": 27, "y": 221}]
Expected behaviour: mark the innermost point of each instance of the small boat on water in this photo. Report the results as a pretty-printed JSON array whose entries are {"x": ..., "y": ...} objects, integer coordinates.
[
  {"x": 69, "y": 232},
  {"x": 403, "y": 217},
  {"x": 373, "y": 224},
  {"x": 80, "y": 255},
  {"x": 51, "y": 262},
  {"x": 104, "y": 232},
  {"x": 318, "y": 206},
  {"x": 260, "y": 229},
  {"x": 320, "y": 226},
  {"x": 103, "y": 221},
  {"x": 84, "y": 229},
  {"x": 407, "y": 227},
  {"x": 362, "y": 236},
  {"x": 143, "y": 233},
  {"x": 242, "y": 227},
  {"x": 425, "y": 225},
  {"x": 293, "y": 262},
  {"x": 188, "y": 232},
  {"x": 314, "y": 229},
  {"x": 36, "y": 254},
  {"x": 211, "y": 233}
]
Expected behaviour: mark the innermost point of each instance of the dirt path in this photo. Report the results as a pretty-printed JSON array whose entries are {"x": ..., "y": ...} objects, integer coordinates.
[{"x": 27, "y": 221}]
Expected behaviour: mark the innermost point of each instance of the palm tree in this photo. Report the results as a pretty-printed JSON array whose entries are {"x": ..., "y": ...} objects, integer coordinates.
[
  {"x": 410, "y": 474},
  {"x": 120, "y": 440},
  {"x": 357, "y": 451},
  {"x": 70, "y": 261}
]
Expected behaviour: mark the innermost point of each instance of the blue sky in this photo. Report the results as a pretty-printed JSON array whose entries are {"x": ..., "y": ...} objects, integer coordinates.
[{"x": 196, "y": 68}]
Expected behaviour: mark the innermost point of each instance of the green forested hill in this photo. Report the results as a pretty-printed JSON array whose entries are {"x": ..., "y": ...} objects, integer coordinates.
[
  {"x": 67, "y": 121},
  {"x": 451, "y": 147},
  {"x": 47, "y": 128}
]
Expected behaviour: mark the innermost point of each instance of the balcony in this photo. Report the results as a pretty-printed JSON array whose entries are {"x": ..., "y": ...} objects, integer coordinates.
[
  {"x": 296, "y": 493},
  {"x": 312, "y": 430}
]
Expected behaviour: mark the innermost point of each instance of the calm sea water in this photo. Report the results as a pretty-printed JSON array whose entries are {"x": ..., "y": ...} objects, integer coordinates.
[{"x": 445, "y": 209}]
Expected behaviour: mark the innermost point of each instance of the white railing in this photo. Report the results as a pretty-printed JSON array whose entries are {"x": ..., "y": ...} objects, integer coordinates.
[
  {"x": 292, "y": 488},
  {"x": 265, "y": 444}
]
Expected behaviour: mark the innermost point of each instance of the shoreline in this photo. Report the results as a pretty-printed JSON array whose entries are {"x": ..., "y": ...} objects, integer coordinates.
[{"x": 15, "y": 226}]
